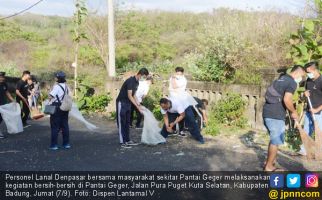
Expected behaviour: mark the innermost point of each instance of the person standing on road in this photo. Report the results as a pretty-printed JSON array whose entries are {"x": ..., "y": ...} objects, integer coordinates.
[
  {"x": 313, "y": 90},
  {"x": 125, "y": 100},
  {"x": 22, "y": 93},
  {"x": 279, "y": 97},
  {"x": 59, "y": 120},
  {"x": 3, "y": 94}
]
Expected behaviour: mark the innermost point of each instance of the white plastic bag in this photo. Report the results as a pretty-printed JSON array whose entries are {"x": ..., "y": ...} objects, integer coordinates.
[
  {"x": 11, "y": 115},
  {"x": 151, "y": 131},
  {"x": 74, "y": 112}
]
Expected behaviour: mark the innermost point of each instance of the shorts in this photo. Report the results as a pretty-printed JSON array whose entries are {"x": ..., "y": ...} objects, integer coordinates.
[{"x": 276, "y": 129}]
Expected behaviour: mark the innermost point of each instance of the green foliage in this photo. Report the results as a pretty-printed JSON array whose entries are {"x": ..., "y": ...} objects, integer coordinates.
[
  {"x": 151, "y": 101},
  {"x": 89, "y": 55},
  {"x": 79, "y": 18},
  {"x": 209, "y": 67},
  {"x": 88, "y": 101},
  {"x": 10, "y": 69},
  {"x": 307, "y": 42},
  {"x": 213, "y": 127},
  {"x": 293, "y": 139},
  {"x": 230, "y": 111}
]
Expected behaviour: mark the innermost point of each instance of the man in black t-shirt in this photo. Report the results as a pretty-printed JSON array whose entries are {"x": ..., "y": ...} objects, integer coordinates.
[
  {"x": 4, "y": 95},
  {"x": 124, "y": 102},
  {"x": 22, "y": 93},
  {"x": 314, "y": 92},
  {"x": 279, "y": 97}
]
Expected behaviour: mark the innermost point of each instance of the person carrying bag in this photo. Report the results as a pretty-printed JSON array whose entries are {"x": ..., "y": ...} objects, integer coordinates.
[{"x": 59, "y": 111}]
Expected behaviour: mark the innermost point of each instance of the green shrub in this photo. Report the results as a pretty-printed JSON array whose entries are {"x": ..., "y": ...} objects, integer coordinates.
[
  {"x": 10, "y": 69},
  {"x": 293, "y": 139},
  {"x": 213, "y": 126},
  {"x": 230, "y": 111}
]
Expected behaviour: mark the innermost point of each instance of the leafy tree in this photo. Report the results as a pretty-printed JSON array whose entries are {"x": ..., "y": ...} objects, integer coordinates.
[{"x": 307, "y": 42}]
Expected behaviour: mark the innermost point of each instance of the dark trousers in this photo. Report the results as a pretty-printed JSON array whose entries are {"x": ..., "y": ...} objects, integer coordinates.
[
  {"x": 59, "y": 122},
  {"x": 123, "y": 109},
  {"x": 25, "y": 112},
  {"x": 138, "y": 116},
  {"x": 190, "y": 123},
  {"x": 0, "y": 118}
]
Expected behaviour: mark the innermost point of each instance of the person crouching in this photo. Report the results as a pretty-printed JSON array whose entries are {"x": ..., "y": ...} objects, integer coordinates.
[{"x": 59, "y": 120}]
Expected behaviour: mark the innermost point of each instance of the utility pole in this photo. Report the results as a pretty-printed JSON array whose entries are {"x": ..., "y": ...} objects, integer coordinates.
[{"x": 111, "y": 39}]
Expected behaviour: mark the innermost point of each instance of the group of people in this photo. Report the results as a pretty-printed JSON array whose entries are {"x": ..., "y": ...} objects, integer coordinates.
[
  {"x": 279, "y": 100},
  {"x": 27, "y": 94},
  {"x": 180, "y": 110}
]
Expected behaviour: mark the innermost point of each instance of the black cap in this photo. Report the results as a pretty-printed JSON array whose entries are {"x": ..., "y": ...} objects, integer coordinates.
[
  {"x": 60, "y": 74},
  {"x": 2, "y": 73}
]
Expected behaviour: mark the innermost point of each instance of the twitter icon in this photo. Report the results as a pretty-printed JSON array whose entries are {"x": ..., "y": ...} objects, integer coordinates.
[{"x": 293, "y": 180}]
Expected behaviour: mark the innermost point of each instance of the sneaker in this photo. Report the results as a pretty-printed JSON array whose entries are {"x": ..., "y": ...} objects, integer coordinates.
[
  {"x": 182, "y": 134},
  {"x": 131, "y": 143},
  {"x": 126, "y": 146},
  {"x": 53, "y": 148},
  {"x": 67, "y": 146},
  {"x": 26, "y": 125},
  {"x": 173, "y": 134},
  {"x": 139, "y": 127},
  {"x": 202, "y": 141}
]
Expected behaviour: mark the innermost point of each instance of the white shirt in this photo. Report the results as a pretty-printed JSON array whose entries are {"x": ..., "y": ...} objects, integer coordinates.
[
  {"x": 57, "y": 90},
  {"x": 142, "y": 90},
  {"x": 177, "y": 107},
  {"x": 181, "y": 83}
]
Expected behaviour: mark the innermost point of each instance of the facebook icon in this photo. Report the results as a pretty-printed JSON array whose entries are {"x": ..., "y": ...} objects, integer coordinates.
[{"x": 276, "y": 180}]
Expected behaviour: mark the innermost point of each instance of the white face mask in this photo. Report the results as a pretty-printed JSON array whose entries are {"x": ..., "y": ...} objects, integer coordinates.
[
  {"x": 310, "y": 75},
  {"x": 298, "y": 80}
]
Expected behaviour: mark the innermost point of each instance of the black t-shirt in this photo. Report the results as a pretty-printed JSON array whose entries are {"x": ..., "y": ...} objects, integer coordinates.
[
  {"x": 315, "y": 87},
  {"x": 278, "y": 110},
  {"x": 22, "y": 86},
  {"x": 130, "y": 84},
  {"x": 3, "y": 91}
]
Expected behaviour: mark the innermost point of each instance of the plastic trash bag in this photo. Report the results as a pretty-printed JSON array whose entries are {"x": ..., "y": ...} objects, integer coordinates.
[
  {"x": 151, "y": 131},
  {"x": 75, "y": 113},
  {"x": 11, "y": 115}
]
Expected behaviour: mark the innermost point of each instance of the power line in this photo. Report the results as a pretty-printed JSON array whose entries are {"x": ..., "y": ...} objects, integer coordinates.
[{"x": 22, "y": 11}]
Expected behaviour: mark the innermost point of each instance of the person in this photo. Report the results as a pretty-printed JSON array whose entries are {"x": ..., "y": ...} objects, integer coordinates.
[
  {"x": 59, "y": 120},
  {"x": 4, "y": 95},
  {"x": 125, "y": 100},
  {"x": 178, "y": 85},
  {"x": 34, "y": 91},
  {"x": 313, "y": 90},
  {"x": 201, "y": 112},
  {"x": 174, "y": 111},
  {"x": 142, "y": 91},
  {"x": 22, "y": 97},
  {"x": 278, "y": 98}
]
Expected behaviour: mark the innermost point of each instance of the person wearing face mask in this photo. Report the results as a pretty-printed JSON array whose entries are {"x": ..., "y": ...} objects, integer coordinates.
[
  {"x": 278, "y": 99},
  {"x": 177, "y": 90},
  {"x": 125, "y": 100},
  {"x": 313, "y": 90}
]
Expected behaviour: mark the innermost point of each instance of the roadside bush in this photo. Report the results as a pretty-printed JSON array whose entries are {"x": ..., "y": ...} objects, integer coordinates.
[
  {"x": 293, "y": 139},
  {"x": 10, "y": 69},
  {"x": 230, "y": 111}
]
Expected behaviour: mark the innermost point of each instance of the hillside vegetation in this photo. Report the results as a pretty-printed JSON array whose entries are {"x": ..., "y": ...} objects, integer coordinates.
[{"x": 224, "y": 46}]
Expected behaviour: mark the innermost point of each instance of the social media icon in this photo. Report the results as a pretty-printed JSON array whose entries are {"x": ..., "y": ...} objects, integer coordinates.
[
  {"x": 277, "y": 181},
  {"x": 293, "y": 180},
  {"x": 311, "y": 180}
]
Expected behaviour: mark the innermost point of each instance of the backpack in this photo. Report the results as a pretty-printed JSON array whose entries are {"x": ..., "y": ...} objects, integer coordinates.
[
  {"x": 272, "y": 96},
  {"x": 67, "y": 101}
]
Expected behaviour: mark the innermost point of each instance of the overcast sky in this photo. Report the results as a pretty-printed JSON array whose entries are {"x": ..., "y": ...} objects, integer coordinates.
[{"x": 66, "y": 7}]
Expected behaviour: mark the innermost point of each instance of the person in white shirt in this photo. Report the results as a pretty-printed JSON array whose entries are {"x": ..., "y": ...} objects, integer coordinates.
[
  {"x": 59, "y": 120},
  {"x": 175, "y": 111},
  {"x": 140, "y": 94}
]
